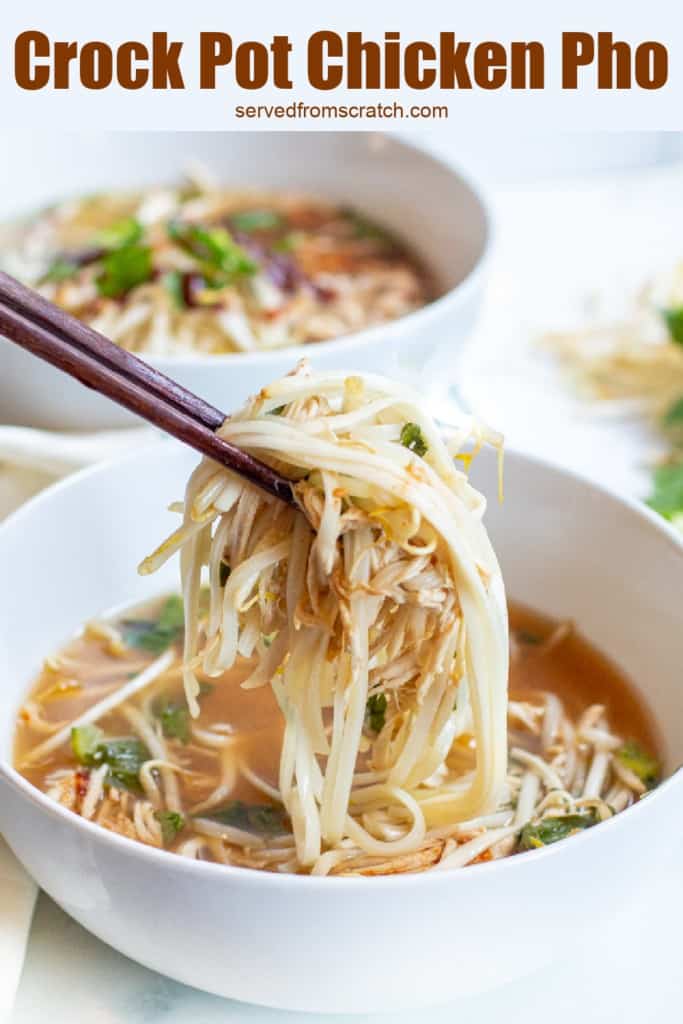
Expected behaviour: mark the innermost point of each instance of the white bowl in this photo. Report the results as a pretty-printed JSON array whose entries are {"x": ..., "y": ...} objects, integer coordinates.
[
  {"x": 430, "y": 205},
  {"x": 345, "y": 944}
]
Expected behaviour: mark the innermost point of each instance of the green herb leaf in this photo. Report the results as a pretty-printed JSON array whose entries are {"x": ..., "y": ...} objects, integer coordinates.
[
  {"x": 376, "y": 712},
  {"x": 256, "y": 220},
  {"x": 60, "y": 270},
  {"x": 174, "y": 717},
  {"x": 674, "y": 322},
  {"x": 287, "y": 243},
  {"x": 171, "y": 824},
  {"x": 364, "y": 228},
  {"x": 221, "y": 257},
  {"x": 673, "y": 418},
  {"x": 411, "y": 437},
  {"x": 84, "y": 741},
  {"x": 124, "y": 232},
  {"x": 262, "y": 819},
  {"x": 156, "y": 636},
  {"x": 123, "y": 269},
  {"x": 172, "y": 613},
  {"x": 667, "y": 495},
  {"x": 551, "y": 830},
  {"x": 642, "y": 764},
  {"x": 124, "y": 757},
  {"x": 173, "y": 283}
]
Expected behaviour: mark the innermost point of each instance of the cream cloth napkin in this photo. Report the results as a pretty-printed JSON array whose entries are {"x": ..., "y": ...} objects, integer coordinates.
[{"x": 29, "y": 461}]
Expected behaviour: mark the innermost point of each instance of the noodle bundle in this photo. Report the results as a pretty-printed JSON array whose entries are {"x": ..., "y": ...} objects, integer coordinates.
[{"x": 375, "y": 611}]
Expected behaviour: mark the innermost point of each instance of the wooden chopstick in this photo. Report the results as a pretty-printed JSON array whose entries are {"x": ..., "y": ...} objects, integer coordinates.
[
  {"x": 40, "y": 310},
  {"x": 34, "y": 323}
]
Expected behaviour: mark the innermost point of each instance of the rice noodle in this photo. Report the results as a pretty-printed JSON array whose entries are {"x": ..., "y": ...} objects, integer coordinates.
[{"x": 329, "y": 597}]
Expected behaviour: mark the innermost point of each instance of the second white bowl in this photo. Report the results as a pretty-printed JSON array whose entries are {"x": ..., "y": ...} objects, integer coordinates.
[{"x": 428, "y": 204}]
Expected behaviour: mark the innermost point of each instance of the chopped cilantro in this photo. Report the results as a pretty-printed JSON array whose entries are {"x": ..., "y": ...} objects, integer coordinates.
[
  {"x": 174, "y": 717},
  {"x": 667, "y": 495},
  {"x": 411, "y": 437},
  {"x": 551, "y": 830},
  {"x": 173, "y": 283},
  {"x": 673, "y": 418},
  {"x": 123, "y": 269},
  {"x": 85, "y": 740},
  {"x": 287, "y": 243},
  {"x": 221, "y": 257},
  {"x": 172, "y": 613},
  {"x": 124, "y": 757},
  {"x": 156, "y": 636},
  {"x": 674, "y": 322},
  {"x": 60, "y": 270},
  {"x": 256, "y": 220},
  {"x": 376, "y": 712},
  {"x": 638, "y": 761},
  {"x": 171, "y": 824},
  {"x": 263, "y": 819},
  {"x": 364, "y": 228},
  {"x": 124, "y": 232}
]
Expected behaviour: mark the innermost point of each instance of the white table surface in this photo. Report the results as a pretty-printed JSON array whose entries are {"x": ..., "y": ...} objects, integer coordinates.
[{"x": 556, "y": 242}]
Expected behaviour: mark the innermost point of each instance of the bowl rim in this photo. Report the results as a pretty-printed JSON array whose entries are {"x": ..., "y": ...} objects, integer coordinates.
[
  {"x": 369, "y": 335},
  {"x": 252, "y": 876}
]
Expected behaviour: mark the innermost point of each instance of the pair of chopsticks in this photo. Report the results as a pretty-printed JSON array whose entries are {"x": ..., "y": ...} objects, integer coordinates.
[{"x": 50, "y": 333}]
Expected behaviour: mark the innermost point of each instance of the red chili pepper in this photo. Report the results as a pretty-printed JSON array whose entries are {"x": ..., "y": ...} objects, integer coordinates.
[{"x": 82, "y": 782}]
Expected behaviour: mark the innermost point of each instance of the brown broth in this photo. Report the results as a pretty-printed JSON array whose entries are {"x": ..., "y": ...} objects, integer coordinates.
[
  {"x": 573, "y": 669},
  {"x": 253, "y": 715},
  {"x": 580, "y": 675}
]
